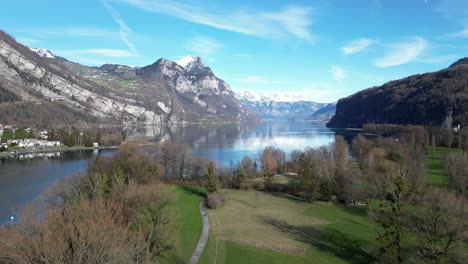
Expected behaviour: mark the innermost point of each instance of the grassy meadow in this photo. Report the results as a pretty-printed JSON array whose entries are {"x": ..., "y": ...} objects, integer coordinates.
[
  {"x": 257, "y": 227},
  {"x": 185, "y": 205}
]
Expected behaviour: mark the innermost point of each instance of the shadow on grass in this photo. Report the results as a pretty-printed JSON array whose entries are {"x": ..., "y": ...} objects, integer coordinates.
[
  {"x": 193, "y": 190},
  {"x": 357, "y": 210},
  {"x": 326, "y": 240}
]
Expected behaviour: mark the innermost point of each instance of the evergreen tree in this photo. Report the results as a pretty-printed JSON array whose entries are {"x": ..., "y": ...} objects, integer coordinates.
[
  {"x": 7, "y": 135},
  {"x": 211, "y": 179}
]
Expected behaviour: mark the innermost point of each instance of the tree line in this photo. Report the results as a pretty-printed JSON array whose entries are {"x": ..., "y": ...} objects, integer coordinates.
[{"x": 385, "y": 172}]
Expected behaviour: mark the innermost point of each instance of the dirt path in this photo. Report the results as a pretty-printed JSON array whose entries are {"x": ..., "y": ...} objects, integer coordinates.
[{"x": 204, "y": 236}]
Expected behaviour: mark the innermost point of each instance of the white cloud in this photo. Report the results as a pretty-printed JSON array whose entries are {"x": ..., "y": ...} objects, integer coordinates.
[
  {"x": 203, "y": 45},
  {"x": 291, "y": 21},
  {"x": 356, "y": 46},
  {"x": 338, "y": 73},
  {"x": 460, "y": 34},
  {"x": 125, "y": 31},
  {"x": 114, "y": 53},
  {"x": 402, "y": 53}
]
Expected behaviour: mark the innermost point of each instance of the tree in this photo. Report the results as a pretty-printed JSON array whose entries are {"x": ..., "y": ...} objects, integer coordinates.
[
  {"x": 239, "y": 177},
  {"x": 440, "y": 222},
  {"x": 269, "y": 164},
  {"x": 21, "y": 133},
  {"x": 7, "y": 135},
  {"x": 153, "y": 223},
  {"x": 210, "y": 177},
  {"x": 396, "y": 196},
  {"x": 248, "y": 166},
  {"x": 456, "y": 165},
  {"x": 340, "y": 153}
]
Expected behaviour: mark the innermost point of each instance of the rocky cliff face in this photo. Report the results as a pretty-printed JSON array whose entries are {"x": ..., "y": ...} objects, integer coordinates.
[
  {"x": 161, "y": 92},
  {"x": 438, "y": 98}
]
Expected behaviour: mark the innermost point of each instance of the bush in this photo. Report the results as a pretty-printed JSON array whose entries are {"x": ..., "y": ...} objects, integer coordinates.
[{"x": 215, "y": 200}]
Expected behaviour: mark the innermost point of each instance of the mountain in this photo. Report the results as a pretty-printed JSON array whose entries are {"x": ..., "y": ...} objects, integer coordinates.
[
  {"x": 325, "y": 113},
  {"x": 44, "y": 53},
  {"x": 439, "y": 98},
  {"x": 286, "y": 108},
  {"x": 161, "y": 92}
]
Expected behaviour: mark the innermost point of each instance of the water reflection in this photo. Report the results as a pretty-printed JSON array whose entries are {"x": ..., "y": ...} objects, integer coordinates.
[
  {"x": 230, "y": 142},
  {"x": 23, "y": 179}
]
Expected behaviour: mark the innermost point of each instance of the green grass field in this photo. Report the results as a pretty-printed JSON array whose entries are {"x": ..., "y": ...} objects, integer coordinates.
[
  {"x": 188, "y": 222},
  {"x": 256, "y": 227},
  {"x": 435, "y": 166}
]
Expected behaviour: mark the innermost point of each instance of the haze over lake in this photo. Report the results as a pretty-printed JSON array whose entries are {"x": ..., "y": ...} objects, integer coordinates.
[{"x": 22, "y": 180}]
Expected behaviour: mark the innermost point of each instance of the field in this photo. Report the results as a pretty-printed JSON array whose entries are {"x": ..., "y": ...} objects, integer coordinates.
[
  {"x": 435, "y": 166},
  {"x": 185, "y": 206},
  {"x": 256, "y": 227}
]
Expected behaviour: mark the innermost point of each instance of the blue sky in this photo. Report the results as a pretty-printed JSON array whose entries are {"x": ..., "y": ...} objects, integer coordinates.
[{"x": 315, "y": 50}]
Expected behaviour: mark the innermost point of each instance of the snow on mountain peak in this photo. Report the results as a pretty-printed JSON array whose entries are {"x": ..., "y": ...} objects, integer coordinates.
[
  {"x": 44, "y": 53},
  {"x": 252, "y": 96},
  {"x": 191, "y": 62}
]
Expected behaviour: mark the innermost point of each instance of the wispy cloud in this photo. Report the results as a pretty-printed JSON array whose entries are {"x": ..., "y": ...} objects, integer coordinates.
[
  {"x": 203, "y": 45},
  {"x": 402, "y": 53},
  {"x": 115, "y": 53},
  {"x": 125, "y": 31},
  {"x": 460, "y": 34},
  {"x": 291, "y": 21},
  {"x": 338, "y": 73},
  {"x": 356, "y": 46}
]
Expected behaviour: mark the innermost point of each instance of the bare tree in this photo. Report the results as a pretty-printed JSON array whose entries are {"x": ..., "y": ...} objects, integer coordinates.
[
  {"x": 440, "y": 222},
  {"x": 456, "y": 165}
]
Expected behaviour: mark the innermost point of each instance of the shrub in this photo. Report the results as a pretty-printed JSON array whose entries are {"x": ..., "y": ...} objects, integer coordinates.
[{"x": 215, "y": 200}]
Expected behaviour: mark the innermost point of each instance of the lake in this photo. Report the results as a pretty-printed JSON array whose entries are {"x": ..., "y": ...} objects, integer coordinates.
[{"x": 24, "y": 179}]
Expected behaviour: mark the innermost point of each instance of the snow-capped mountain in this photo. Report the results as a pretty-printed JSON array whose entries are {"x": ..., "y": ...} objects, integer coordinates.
[
  {"x": 190, "y": 63},
  {"x": 44, "y": 53},
  {"x": 283, "y": 106},
  {"x": 161, "y": 92}
]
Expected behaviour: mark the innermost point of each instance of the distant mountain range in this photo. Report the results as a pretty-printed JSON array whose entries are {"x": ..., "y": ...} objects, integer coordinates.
[
  {"x": 37, "y": 86},
  {"x": 286, "y": 108},
  {"x": 438, "y": 98}
]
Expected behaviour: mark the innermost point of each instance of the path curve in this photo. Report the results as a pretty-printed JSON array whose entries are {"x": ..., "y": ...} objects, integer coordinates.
[{"x": 204, "y": 236}]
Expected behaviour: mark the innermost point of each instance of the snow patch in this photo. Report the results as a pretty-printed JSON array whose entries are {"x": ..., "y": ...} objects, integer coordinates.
[
  {"x": 190, "y": 62},
  {"x": 44, "y": 53}
]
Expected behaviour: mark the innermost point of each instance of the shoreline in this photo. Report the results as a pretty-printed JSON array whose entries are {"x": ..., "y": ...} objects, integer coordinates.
[{"x": 8, "y": 154}]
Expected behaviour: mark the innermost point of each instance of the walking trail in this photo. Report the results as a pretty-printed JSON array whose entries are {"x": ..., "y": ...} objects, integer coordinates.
[{"x": 204, "y": 236}]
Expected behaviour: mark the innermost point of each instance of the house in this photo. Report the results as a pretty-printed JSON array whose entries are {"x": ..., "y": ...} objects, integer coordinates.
[
  {"x": 53, "y": 143},
  {"x": 96, "y": 145},
  {"x": 44, "y": 134},
  {"x": 32, "y": 143}
]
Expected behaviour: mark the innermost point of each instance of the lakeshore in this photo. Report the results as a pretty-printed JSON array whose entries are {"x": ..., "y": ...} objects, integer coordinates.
[{"x": 18, "y": 152}]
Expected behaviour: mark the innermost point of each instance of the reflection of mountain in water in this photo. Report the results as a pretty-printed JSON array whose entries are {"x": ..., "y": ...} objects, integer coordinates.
[
  {"x": 192, "y": 135},
  {"x": 245, "y": 137}
]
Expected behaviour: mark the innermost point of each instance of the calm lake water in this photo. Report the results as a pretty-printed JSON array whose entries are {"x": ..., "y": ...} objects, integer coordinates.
[{"x": 22, "y": 180}]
